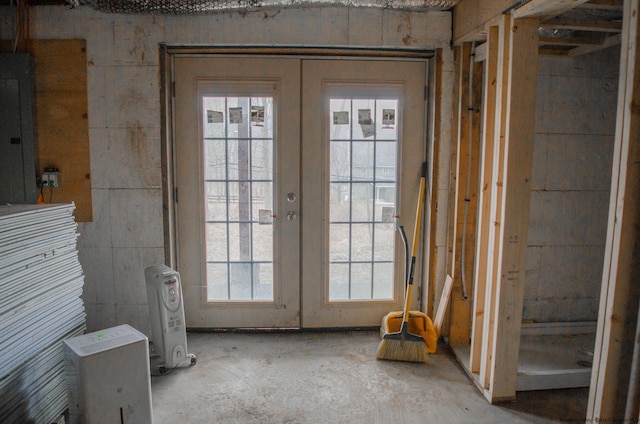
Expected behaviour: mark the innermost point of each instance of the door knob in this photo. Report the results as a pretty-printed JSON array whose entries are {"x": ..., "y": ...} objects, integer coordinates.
[{"x": 291, "y": 216}]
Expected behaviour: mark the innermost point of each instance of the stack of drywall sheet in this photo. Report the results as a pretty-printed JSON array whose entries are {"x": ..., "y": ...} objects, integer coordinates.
[{"x": 41, "y": 280}]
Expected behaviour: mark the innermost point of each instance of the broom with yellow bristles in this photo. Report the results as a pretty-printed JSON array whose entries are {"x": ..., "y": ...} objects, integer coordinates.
[{"x": 416, "y": 337}]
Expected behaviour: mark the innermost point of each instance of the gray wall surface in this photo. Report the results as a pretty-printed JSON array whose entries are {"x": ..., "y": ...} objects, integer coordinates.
[
  {"x": 125, "y": 118},
  {"x": 573, "y": 149}
]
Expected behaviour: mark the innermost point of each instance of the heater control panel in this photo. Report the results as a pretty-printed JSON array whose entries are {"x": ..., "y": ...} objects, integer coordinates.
[{"x": 171, "y": 293}]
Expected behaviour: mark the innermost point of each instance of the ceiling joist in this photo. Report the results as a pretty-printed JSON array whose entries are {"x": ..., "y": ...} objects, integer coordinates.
[
  {"x": 596, "y": 25},
  {"x": 611, "y": 41},
  {"x": 545, "y": 8}
]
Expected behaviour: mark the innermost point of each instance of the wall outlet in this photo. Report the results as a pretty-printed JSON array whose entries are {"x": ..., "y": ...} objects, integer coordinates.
[{"x": 51, "y": 178}]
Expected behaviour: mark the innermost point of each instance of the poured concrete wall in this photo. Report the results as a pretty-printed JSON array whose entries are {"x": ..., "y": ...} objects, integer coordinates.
[
  {"x": 126, "y": 234},
  {"x": 573, "y": 149}
]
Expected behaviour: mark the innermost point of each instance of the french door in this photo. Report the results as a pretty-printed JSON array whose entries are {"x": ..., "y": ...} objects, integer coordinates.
[{"x": 292, "y": 175}]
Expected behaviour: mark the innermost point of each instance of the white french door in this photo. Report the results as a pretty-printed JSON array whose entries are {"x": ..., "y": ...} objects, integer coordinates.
[
  {"x": 362, "y": 148},
  {"x": 292, "y": 175}
]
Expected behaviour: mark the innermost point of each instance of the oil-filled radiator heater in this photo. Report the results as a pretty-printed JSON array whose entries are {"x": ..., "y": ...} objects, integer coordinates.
[{"x": 166, "y": 312}]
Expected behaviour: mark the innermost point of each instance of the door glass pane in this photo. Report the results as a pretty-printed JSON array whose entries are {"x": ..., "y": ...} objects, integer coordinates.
[
  {"x": 362, "y": 183},
  {"x": 238, "y": 163}
]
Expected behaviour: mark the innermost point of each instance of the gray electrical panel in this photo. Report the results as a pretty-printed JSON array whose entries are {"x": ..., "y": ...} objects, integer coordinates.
[{"x": 17, "y": 135}]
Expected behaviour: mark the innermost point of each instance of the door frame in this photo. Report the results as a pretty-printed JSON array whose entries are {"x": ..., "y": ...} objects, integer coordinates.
[{"x": 167, "y": 90}]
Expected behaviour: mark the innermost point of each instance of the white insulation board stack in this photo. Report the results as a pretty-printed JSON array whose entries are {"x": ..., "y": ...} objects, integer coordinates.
[{"x": 41, "y": 280}]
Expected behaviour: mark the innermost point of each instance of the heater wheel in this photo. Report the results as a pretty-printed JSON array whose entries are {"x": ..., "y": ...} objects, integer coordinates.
[{"x": 193, "y": 358}]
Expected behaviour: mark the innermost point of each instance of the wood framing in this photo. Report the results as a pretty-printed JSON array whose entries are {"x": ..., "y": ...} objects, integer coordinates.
[
  {"x": 454, "y": 180},
  {"x": 518, "y": 152},
  {"x": 435, "y": 75},
  {"x": 613, "y": 40},
  {"x": 469, "y": 100},
  {"x": 484, "y": 226},
  {"x": 496, "y": 205},
  {"x": 620, "y": 295},
  {"x": 582, "y": 25},
  {"x": 472, "y": 17},
  {"x": 538, "y": 8}
]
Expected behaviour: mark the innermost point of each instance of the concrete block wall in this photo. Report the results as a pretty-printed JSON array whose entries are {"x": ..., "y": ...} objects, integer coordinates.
[
  {"x": 572, "y": 158},
  {"x": 126, "y": 234}
]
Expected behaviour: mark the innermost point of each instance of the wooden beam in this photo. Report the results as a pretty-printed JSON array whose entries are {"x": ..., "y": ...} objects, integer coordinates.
[
  {"x": 582, "y": 25},
  {"x": 495, "y": 207},
  {"x": 442, "y": 305},
  {"x": 603, "y": 5},
  {"x": 479, "y": 335},
  {"x": 512, "y": 243},
  {"x": 471, "y": 18},
  {"x": 620, "y": 293},
  {"x": 586, "y": 39},
  {"x": 454, "y": 181},
  {"x": 544, "y": 8},
  {"x": 614, "y": 40},
  {"x": 481, "y": 53},
  {"x": 467, "y": 160},
  {"x": 435, "y": 73},
  {"x": 549, "y": 51}
]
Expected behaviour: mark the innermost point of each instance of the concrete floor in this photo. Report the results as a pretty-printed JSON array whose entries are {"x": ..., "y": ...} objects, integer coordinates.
[{"x": 334, "y": 378}]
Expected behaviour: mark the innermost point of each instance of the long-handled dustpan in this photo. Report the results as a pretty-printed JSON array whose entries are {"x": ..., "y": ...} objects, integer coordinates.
[
  {"x": 419, "y": 323},
  {"x": 416, "y": 336}
]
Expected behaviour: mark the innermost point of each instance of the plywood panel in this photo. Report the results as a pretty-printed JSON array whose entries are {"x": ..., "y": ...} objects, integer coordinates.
[
  {"x": 61, "y": 120},
  {"x": 62, "y": 127}
]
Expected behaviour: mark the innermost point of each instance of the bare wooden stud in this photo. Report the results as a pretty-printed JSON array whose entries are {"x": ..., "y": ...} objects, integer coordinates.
[
  {"x": 465, "y": 167},
  {"x": 518, "y": 151},
  {"x": 484, "y": 200},
  {"x": 621, "y": 272},
  {"x": 495, "y": 207}
]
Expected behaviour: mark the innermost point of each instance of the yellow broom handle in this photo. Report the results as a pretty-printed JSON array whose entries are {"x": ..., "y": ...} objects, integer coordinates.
[
  {"x": 407, "y": 300},
  {"x": 416, "y": 230},
  {"x": 414, "y": 251}
]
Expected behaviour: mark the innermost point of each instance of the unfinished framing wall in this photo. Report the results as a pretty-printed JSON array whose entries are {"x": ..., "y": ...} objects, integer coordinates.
[
  {"x": 468, "y": 75},
  {"x": 613, "y": 390},
  {"x": 506, "y": 164}
]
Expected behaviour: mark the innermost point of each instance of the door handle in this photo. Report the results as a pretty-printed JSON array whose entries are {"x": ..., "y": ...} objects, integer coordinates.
[{"x": 291, "y": 216}]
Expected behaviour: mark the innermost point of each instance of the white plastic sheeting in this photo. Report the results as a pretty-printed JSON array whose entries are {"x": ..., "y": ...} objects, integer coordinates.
[{"x": 42, "y": 281}]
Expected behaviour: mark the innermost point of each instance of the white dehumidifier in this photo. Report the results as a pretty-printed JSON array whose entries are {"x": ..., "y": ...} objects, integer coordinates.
[
  {"x": 166, "y": 312},
  {"x": 107, "y": 375}
]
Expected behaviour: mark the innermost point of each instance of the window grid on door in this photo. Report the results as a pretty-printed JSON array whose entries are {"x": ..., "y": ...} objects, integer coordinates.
[
  {"x": 363, "y": 145},
  {"x": 238, "y": 193}
]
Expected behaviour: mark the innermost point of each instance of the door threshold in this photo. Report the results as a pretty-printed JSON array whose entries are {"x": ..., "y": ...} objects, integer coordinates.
[{"x": 267, "y": 330}]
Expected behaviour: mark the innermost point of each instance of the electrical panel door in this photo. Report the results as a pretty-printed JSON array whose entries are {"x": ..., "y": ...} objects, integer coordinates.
[{"x": 17, "y": 141}]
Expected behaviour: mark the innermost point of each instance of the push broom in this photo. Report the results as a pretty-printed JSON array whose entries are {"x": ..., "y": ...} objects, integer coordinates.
[{"x": 409, "y": 335}]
